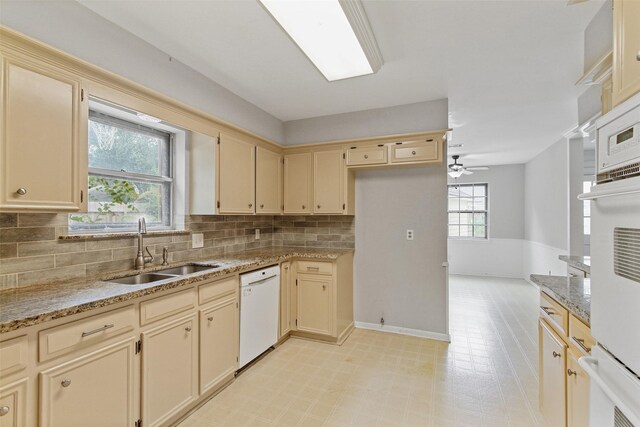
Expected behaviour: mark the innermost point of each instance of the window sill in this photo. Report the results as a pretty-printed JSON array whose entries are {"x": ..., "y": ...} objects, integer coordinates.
[{"x": 122, "y": 235}]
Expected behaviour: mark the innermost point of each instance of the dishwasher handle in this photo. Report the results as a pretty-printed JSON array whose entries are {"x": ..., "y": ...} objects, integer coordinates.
[{"x": 257, "y": 282}]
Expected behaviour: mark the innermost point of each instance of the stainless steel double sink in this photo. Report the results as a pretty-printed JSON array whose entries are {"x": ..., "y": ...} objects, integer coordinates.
[{"x": 167, "y": 273}]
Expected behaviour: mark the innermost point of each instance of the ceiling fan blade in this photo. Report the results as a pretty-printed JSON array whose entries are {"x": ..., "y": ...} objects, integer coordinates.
[
  {"x": 478, "y": 168},
  {"x": 572, "y": 2},
  {"x": 467, "y": 172}
]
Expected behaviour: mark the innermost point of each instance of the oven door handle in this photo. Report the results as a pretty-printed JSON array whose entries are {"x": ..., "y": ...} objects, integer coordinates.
[
  {"x": 598, "y": 194},
  {"x": 589, "y": 364}
]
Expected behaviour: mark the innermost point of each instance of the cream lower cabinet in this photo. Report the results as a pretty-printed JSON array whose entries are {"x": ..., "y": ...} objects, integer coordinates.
[
  {"x": 43, "y": 166},
  {"x": 553, "y": 383},
  {"x": 13, "y": 404},
  {"x": 578, "y": 384},
  {"x": 96, "y": 389},
  {"x": 219, "y": 341},
  {"x": 315, "y": 304},
  {"x": 169, "y": 369}
]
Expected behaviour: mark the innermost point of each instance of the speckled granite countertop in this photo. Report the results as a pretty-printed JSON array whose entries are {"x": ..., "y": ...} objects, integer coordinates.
[
  {"x": 574, "y": 293},
  {"x": 580, "y": 262},
  {"x": 23, "y": 307}
]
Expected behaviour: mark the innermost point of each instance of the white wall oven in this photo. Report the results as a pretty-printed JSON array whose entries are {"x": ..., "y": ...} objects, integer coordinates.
[{"x": 614, "y": 366}]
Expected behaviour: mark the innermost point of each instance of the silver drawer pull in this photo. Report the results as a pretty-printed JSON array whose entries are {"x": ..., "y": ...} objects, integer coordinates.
[
  {"x": 95, "y": 331},
  {"x": 4, "y": 410},
  {"x": 21, "y": 191},
  {"x": 413, "y": 153},
  {"x": 548, "y": 310},
  {"x": 580, "y": 342},
  {"x": 65, "y": 383},
  {"x": 366, "y": 156},
  {"x": 313, "y": 268}
]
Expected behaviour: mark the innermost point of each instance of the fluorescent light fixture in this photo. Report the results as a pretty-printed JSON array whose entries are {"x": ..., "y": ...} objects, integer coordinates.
[
  {"x": 148, "y": 118},
  {"x": 334, "y": 34}
]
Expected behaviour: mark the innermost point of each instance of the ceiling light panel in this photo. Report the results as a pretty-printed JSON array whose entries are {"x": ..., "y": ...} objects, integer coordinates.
[{"x": 324, "y": 32}]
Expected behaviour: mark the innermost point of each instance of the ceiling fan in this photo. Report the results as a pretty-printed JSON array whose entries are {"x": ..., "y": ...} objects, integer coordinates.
[{"x": 456, "y": 169}]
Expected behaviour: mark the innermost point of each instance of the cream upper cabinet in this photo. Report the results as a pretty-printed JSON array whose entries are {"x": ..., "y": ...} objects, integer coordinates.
[
  {"x": 297, "y": 183},
  {"x": 96, "y": 389},
  {"x": 169, "y": 369},
  {"x": 364, "y": 156},
  {"x": 626, "y": 49},
  {"x": 43, "y": 166},
  {"x": 553, "y": 384},
  {"x": 328, "y": 182},
  {"x": 219, "y": 336},
  {"x": 236, "y": 176},
  {"x": 268, "y": 181},
  {"x": 415, "y": 151},
  {"x": 577, "y": 392},
  {"x": 315, "y": 304}
]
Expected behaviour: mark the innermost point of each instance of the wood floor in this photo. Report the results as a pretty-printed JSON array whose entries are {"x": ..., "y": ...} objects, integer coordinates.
[{"x": 487, "y": 376}]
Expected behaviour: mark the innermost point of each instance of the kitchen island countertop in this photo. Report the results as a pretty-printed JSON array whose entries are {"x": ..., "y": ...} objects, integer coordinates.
[{"x": 23, "y": 307}]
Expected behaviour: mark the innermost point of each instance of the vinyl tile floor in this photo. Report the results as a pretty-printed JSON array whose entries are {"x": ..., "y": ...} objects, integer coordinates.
[{"x": 486, "y": 376}]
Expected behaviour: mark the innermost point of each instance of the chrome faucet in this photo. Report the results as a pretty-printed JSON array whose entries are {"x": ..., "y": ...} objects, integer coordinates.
[{"x": 141, "y": 258}]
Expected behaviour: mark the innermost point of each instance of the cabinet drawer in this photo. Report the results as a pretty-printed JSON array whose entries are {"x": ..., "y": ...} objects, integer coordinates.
[
  {"x": 314, "y": 267},
  {"x": 556, "y": 314},
  {"x": 66, "y": 338},
  {"x": 580, "y": 334},
  {"x": 414, "y": 151},
  {"x": 163, "y": 307},
  {"x": 367, "y": 156},
  {"x": 13, "y": 355},
  {"x": 212, "y": 291}
]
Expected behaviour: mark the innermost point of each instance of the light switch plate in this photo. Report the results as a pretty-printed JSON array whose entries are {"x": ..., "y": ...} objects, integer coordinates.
[
  {"x": 197, "y": 240},
  {"x": 409, "y": 234}
]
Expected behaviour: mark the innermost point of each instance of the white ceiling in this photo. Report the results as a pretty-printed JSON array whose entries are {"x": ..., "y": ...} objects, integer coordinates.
[{"x": 507, "y": 67}]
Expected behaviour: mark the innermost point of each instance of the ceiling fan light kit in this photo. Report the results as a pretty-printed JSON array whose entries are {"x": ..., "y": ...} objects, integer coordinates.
[{"x": 456, "y": 170}]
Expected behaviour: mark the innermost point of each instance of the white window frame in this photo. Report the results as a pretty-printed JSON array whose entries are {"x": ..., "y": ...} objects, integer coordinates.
[{"x": 472, "y": 211}]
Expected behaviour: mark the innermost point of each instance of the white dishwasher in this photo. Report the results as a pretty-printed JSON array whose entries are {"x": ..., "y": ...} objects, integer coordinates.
[{"x": 259, "y": 312}]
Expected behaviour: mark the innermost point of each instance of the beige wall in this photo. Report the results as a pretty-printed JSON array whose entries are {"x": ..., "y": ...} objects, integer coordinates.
[{"x": 31, "y": 253}]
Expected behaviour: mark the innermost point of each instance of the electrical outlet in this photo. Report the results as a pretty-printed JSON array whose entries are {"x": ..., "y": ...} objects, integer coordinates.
[
  {"x": 197, "y": 240},
  {"x": 257, "y": 234},
  {"x": 409, "y": 234}
]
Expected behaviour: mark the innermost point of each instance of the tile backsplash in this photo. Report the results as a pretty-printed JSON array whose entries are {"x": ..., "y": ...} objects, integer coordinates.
[{"x": 31, "y": 252}]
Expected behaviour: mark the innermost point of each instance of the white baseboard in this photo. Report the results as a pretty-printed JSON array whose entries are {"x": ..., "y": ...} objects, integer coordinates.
[{"x": 404, "y": 331}]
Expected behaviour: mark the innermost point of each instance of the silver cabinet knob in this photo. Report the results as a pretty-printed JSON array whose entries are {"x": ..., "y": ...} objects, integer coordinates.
[
  {"x": 4, "y": 410},
  {"x": 66, "y": 383},
  {"x": 413, "y": 153},
  {"x": 304, "y": 207},
  {"x": 210, "y": 318},
  {"x": 570, "y": 372},
  {"x": 324, "y": 287},
  {"x": 318, "y": 206},
  {"x": 556, "y": 354},
  {"x": 638, "y": 56},
  {"x": 261, "y": 206},
  {"x": 250, "y": 205},
  {"x": 366, "y": 156},
  {"x": 21, "y": 191},
  {"x": 188, "y": 329}
]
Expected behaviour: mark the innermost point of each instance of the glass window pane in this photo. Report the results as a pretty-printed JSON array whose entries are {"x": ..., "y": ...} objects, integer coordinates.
[
  {"x": 454, "y": 204},
  {"x": 466, "y": 191},
  {"x": 454, "y": 231},
  {"x": 587, "y": 226},
  {"x": 479, "y": 231},
  {"x": 454, "y": 218},
  {"x": 466, "y": 218},
  {"x": 479, "y": 191},
  {"x": 466, "y": 231},
  {"x": 119, "y": 148},
  {"x": 466, "y": 204},
  {"x": 454, "y": 191},
  {"x": 587, "y": 208},
  {"x": 479, "y": 204},
  {"x": 480, "y": 218},
  {"x": 116, "y": 204}
]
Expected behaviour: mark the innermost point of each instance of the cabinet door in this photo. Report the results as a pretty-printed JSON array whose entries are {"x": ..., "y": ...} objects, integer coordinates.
[
  {"x": 285, "y": 299},
  {"x": 297, "y": 183},
  {"x": 626, "y": 49},
  {"x": 328, "y": 182},
  {"x": 219, "y": 334},
  {"x": 236, "y": 179},
  {"x": 553, "y": 385},
  {"x": 13, "y": 404},
  {"x": 169, "y": 369},
  {"x": 93, "y": 390},
  {"x": 577, "y": 392},
  {"x": 315, "y": 304},
  {"x": 43, "y": 165},
  {"x": 268, "y": 182}
]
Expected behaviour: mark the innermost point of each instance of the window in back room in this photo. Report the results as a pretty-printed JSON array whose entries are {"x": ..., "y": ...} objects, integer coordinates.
[
  {"x": 130, "y": 173},
  {"x": 468, "y": 211}
]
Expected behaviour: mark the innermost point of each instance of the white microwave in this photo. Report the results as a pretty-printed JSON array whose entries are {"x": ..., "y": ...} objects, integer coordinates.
[{"x": 619, "y": 139}]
